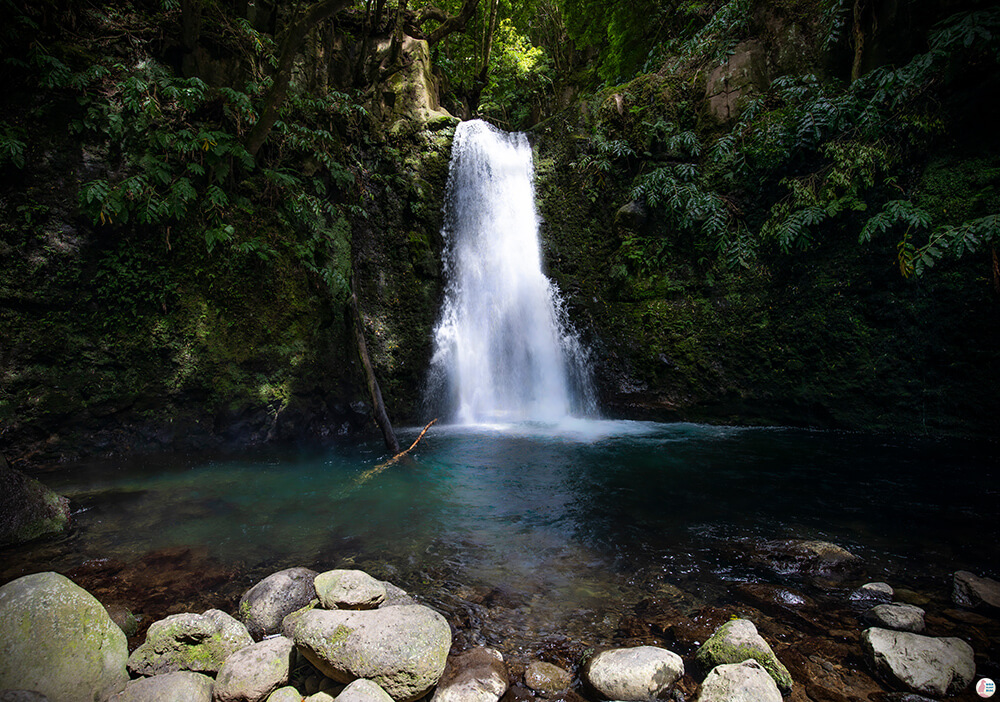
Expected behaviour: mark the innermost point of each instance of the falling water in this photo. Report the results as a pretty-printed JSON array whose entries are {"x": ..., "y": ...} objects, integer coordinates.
[{"x": 503, "y": 349}]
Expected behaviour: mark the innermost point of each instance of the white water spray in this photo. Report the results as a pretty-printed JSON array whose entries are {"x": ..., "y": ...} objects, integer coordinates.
[{"x": 503, "y": 350}]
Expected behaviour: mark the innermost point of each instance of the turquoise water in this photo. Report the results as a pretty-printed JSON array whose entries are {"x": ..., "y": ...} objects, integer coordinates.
[{"x": 569, "y": 521}]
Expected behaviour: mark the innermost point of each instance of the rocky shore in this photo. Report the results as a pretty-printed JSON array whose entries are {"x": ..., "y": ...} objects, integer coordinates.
[{"x": 344, "y": 635}]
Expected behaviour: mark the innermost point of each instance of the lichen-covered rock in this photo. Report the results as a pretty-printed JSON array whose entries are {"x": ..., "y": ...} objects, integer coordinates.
[
  {"x": 28, "y": 509},
  {"x": 546, "y": 678},
  {"x": 364, "y": 691},
  {"x": 970, "y": 590},
  {"x": 639, "y": 674},
  {"x": 285, "y": 694},
  {"x": 932, "y": 666},
  {"x": 402, "y": 648},
  {"x": 739, "y": 682},
  {"x": 198, "y": 642},
  {"x": 263, "y": 606},
  {"x": 55, "y": 638},
  {"x": 254, "y": 672},
  {"x": 180, "y": 686},
  {"x": 349, "y": 589},
  {"x": 737, "y": 641},
  {"x": 901, "y": 617},
  {"x": 477, "y": 675}
]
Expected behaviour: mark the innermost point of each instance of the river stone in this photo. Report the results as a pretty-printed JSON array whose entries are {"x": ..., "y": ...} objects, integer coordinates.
[
  {"x": 735, "y": 642},
  {"x": 364, "y": 691},
  {"x": 402, "y": 648},
  {"x": 898, "y": 616},
  {"x": 28, "y": 509},
  {"x": 254, "y": 672},
  {"x": 22, "y": 696},
  {"x": 970, "y": 590},
  {"x": 933, "y": 666},
  {"x": 321, "y": 697},
  {"x": 180, "y": 686},
  {"x": 349, "y": 589},
  {"x": 871, "y": 594},
  {"x": 477, "y": 675},
  {"x": 639, "y": 674},
  {"x": 739, "y": 682},
  {"x": 263, "y": 606},
  {"x": 396, "y": 596},
  {"x": 198, "y": 642},
  {"x": 285, "y": 694},
  {"x": 55, "y": 638},
  {"x": 545, "y": 677},
  {"x": 810, "y": 557}
]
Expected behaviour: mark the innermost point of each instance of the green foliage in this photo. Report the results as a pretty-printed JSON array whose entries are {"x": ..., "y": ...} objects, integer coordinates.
[{"x": 12, "y": 146}]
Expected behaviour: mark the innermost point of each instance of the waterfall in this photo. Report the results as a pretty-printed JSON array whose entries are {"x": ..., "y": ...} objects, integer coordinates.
[{"x": 503, "y": 348}]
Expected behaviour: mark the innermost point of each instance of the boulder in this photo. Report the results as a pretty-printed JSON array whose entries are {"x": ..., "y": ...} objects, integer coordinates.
[
  {"x": 254, "y": 672},
  {"x": 285, "y": 694},
  {"x": 631, "y": 216},
  {"x": 871, "y": 594},
  {"x": 737, "y": 641},
  {"x": 56, "y": 639},
  {"x": 546, "y": 678},
  {"x": 349, "y": 589},
  {"x": 816, "y": 559},
  {"x": 181, "y": 686},
  {"x": 477, "y": 675},
  {"x": 739, "y": 682},
  {"x": 970, "y": 590},
  {"x": 939, "y": 667},
  {"x": 396, "y": 596},
  {"x": 263, "y": 606},
  {"x": 639, "y": 674},
  {"x": 363, "y": 691},
  {"x": 402, "y": 648},
  {"x": 898, "y": 616},
  {"x": 22, "y": 696},
  {"x": 28, "y": 509},
  {"x": 198, "y": 642},
  {"x": 321, "y": 697},
  {"x": 123, "y": 617}
]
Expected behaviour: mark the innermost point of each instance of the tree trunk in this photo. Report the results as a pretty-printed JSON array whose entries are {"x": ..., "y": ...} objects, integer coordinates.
[
  {"x": 374, "y": 393},
  {"x": 859, "y": 39}
]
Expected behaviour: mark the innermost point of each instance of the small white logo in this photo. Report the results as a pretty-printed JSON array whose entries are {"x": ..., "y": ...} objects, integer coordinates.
[{"x": 986, "y": 688}]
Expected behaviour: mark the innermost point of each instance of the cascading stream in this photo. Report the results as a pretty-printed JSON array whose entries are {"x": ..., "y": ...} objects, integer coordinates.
[{"x": 503, "y": 350}]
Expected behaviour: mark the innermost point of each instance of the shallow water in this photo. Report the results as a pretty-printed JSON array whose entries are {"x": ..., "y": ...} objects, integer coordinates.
[{"x": 563, "y": 526}]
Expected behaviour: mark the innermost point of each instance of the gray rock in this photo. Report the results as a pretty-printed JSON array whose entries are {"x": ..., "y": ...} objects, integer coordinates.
[
  {"x": 349, "y": 589},
  {"x": 970, "y": 590},
  {"x": 181, "y": 686},
  {"x": 285, "y": 694},
  {"x": 123, "y": 617},
  {"x": 396, "y": 596},
  {"x": 808, "y": 557},
  {"x": 22, "y": 696},
  {"x": 739, "y": 682},
  {"x": 735, "y": 642},
  {"x": 477, "y": 675},
  {"x": 198, "y": 642},
  {"x": 933, "y": 666},
  {"x": 56, "y": 639},
  {"x": 907, "y": 697},
  {"x": 402, "y": 648},
  {"x": 321, "y": 697},
  {"x": 871, "y": 594},
  {"x": 263, "y": 606},
  {"x": 545, "y": 677},
  {"x": 254, "y": 672},
  {"x": 898, "y": 616},
  {"x": 639, "y": 674},
  {"x": 28, "y": 509},
  {"x": 363, "y": 691},
  {"x": 631, "y": 216}
]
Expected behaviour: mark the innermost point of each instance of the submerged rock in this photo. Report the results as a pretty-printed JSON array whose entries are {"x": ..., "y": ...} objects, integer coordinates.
[
  {"x": 739, "y": 682},
  {"x": 818, "y": 559},
  {"x": 263, "y": 606},
  {"x": 872, "y": 594},
  {"x": 900, "y": 617},
  {"x": 28, "y": 509},
  {"x": 254, "y": 672},
  {"x": 639, "y": 674},
  {"x": 970, "y": 590},
  {"x": 349, "y": 589},
  {"x": 180, "y": 686},
  {"x": 737, "y": 641},
  {"x": 402, "y": 648},
  {"x": 198, "y": 642},
  {"x": 477, "y": 675},
  {"x": 923, "y": 664},
  {"x": 546, "y": 678},
  {"x": 57, "y": 639}
]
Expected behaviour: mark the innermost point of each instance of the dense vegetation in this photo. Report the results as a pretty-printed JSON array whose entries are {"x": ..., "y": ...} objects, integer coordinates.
[{"x": 194, "y": 189}]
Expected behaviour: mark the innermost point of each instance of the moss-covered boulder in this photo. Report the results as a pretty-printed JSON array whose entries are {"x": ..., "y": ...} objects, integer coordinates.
[
  {"x": 197, "y": 642},
  {"x": 56, "y": 638},
  {"x": 402, "y": 648},
  {"x": 28, "y": 509},
  {"x": 738, "y": 641}
]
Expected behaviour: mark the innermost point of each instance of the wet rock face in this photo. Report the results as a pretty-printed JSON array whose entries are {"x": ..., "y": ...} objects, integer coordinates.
[
  {"x": 970, "y": 590},
  {"x": 817, "y": 560},
  {"x": 28, "y": 509}
]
